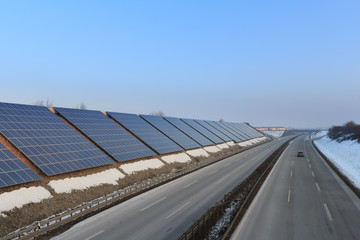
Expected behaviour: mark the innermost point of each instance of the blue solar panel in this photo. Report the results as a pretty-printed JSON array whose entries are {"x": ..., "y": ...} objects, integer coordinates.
[
  {"x": 172, "y": 132},
  {"x": 244, "y": 130},
  {"x": 225, "y": 130},
  {"x": 250, "y": 130},
  {"x": 198, "y": 137},
  {"x": 215, "y": 131},
  {"x": 240, "y": 134},
  {"x": 13, "y": 170},
  {"x": 147, "y": 133},
  {"x": 202, "y": 130},
  {"x": 111, "y": 137},
  {"x": 50, "y": 143},
  {"x": 240, "y": 130}
]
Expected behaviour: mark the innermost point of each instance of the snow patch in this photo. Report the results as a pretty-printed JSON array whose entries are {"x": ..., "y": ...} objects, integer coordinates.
[
  {"x": 22, "y": 196},
  {"x": 212, "y": 149},
  {"x": 344, "y": 155},
  {"x": 320, "y": 134},
  {"x": 198, "y": 153},
  {"x": 222, "y": 146},
  {"x": 245, "y": 143},
  {"x": 130, "y": 168},
  {"x": 231, "y": 143},
  {"x": 275, "y": 133},
  {"x": 80, "y": 183},
  {"x": 179, "y": 157}
]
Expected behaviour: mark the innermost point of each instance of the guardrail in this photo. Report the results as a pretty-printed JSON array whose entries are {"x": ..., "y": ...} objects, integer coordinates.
[
  {"x": 48, "y": 225},
  {"x": 243, "y": 193}
]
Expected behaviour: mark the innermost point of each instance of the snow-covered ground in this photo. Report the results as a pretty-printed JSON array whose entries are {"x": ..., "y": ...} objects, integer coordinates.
[
  {"x": 80, "y": 183},
  {"x": 130, "y": 168},
  {"x": 344, "y": 155},
  {"x": 320, "y": 134},
  {"x": 275, "y": 133},
  {"x": 179, "y": 157},
  {"x": 231, "y": 143},
  {"x": 212, "y": 149},
  {"x": 22, "y": 196},
  {"x": 222, "y": 146},
  {"x": 198, "y": 153}
]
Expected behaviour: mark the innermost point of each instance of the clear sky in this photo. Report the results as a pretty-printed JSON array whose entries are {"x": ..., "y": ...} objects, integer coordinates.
[{"x": 270, "y": 63}]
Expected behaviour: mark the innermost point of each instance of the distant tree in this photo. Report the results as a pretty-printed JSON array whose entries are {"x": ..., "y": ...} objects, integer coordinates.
[
  {"x": 47, "y": 103},
  {"x": 350, "y": 131},
  {"x": 81, "y": 106},
  {"x": 158, "y": 113}
]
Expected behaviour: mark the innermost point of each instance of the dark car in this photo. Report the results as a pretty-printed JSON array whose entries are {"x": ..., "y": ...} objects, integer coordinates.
[{"x": 300, "y": 154}]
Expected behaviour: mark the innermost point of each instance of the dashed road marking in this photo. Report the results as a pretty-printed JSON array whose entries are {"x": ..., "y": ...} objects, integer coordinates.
[
  {"x": 291, "y": 174},
  {"x": 92, "y": 236},
  {"x": 221, "y": 180},
  {"x": 191, "y": 184},
  {"x": 177, "y": 210},
  {"x": 312, "y": 172},
  {"x": 152, "y": 204},
  {"x": 289, "y": 195},
  {"x": 309, "y": 165},
  {"x": 318, "y": 187},
  {"x": 328, "y": 212}
]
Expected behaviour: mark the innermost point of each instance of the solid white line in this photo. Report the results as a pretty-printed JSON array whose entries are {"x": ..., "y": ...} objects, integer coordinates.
[
  {"x": 152, "y": 204},
  {"x": 221, "y": 180},
  {"x": 318, "y": 187},
  {"x": 177, "y": 210},
  {"x": 291, "y": 174},
  {"x": 289, "y": 196},
  {"x": 328, "y": 212},
  {"x": 312, "y": 172},
  {"x": 191, "y": 184},
  {"x": 92, "y": 236}
]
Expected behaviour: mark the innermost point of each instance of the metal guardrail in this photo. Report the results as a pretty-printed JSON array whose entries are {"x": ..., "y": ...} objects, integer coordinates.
[
  {"x": 45, "y": 226},
  {"x": 200, "y": 228}
]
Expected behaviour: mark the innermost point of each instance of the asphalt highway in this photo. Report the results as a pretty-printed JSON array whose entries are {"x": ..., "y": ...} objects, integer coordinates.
[
  {"x": 169, "y": 210},
  {"x": 302, "y": 198}
]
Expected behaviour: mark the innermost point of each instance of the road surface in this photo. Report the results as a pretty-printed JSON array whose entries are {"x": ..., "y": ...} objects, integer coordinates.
[{"x": 302, "y": 199}]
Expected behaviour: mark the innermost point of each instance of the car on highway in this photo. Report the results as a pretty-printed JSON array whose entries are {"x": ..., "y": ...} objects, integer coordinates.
[{"x": 300, "y": 154}]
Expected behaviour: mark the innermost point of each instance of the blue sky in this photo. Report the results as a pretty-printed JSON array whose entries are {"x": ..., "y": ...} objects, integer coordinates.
[{"x": 270, "y": 63}]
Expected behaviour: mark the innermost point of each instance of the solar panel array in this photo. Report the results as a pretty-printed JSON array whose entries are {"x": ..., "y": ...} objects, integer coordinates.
[
  {"x": 202, "y": 130},
  {"x": 225, "y": 130},
  {"x": 110, "y": 136},
  {"x": 191, "y": 132},
  {"x": 172, "y": 132},
  {"x": 85, "y": 138},
  {"x": 13, "y": 170},
  {"x": 50, "y": 143},
  {"x": 147, "y": 133},
  {"x": 215, "y": 131}
]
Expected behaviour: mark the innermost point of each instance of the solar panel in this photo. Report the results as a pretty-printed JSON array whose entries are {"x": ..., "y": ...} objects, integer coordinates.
[
  {"x": 107, "y": 134},
  {"x": 147, "y": 133},
  {"x": 218, "y": 133},
  {"x": 240, "y": 130},
  {"x": 221, "y": 127},
  {"x": 13, "y": 170},
  {"x": 244, "y": 129},
  {"x": 240, "y": 134},
  {"x": 202, "y": 130},
  {"x": 50, "y": 143},
  {"x": 198, "y": 137},
  {"x": 172, "y": 132},
  {"x": 251, "y": 130}
]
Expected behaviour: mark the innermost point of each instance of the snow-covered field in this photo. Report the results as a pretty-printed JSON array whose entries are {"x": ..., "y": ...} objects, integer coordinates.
[
  {"x": 179, "y": 157},
  {"x": 344, "y": 155},
  {"x": 275, "y": 133},
  {"x": 130, "y": 168},
  {"x": 198, "y": 153},
  {"x": 320, "y": 134},
  {"x": 80, "y": 183},
  {"x": 22, "y": 196}
]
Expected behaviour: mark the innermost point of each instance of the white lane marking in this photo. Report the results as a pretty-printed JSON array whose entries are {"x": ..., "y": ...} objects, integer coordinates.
[
  {"x": 289, "y": 196},
  {"x": 318, "y": 187},
  {"x": 221, "y": 180},
  {"x": 177, "y": 210},
  {"x": 191, "y": 184},
  {"x": 212, "y": 173},
  {"x": 312, "y": 172},
  {"x": 94, "y": 235},
  {"x": 309, "y": 165},
  {"x": 152, "y": 204},
  {"x": 291, "y": 174},
  {"x": 308, "y": 160},
  {"x": 328, "y": 212}
]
